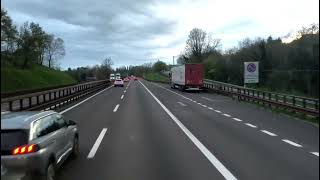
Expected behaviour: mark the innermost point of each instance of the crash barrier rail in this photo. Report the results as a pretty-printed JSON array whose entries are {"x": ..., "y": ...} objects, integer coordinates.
[
  {"x": 304, "y": 105},
  {"x": 51, "y": 99}
]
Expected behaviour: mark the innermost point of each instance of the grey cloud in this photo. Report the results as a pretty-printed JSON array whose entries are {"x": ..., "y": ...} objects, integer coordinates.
[{"x": 93, "y": 30}]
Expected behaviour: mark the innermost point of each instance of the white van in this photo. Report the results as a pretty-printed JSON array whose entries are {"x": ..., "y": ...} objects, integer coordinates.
[
  {"x": 112, "y": 78},
  {"x": 118, "y": 76}
]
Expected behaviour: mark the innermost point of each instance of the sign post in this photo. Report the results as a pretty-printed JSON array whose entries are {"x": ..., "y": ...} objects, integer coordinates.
[{"x": 251, "y": 72}]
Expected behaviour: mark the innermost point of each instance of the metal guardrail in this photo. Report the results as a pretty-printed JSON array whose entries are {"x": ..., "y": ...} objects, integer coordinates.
[
  {"x": 304, "y": 105},
  {"x": 51, "y": 98}
]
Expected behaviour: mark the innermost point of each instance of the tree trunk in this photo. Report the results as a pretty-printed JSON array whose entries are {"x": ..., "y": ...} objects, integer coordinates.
[
  {"x": 25, "y": 62},
  {"x": 50, "y": 61}
]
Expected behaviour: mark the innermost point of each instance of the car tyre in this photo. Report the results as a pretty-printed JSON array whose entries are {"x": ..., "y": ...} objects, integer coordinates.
[
  {"x": 75, "y": 148},
  {"x": 50, "y": 172}
]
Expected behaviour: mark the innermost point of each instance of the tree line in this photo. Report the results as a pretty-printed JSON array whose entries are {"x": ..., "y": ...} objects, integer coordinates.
[
  {"x": 28, "y": 44},
  {"x": 286, "y": 67}
]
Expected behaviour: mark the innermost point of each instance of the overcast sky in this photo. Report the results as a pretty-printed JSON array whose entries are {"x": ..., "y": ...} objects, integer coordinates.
[{"x": 133, "y": 32}]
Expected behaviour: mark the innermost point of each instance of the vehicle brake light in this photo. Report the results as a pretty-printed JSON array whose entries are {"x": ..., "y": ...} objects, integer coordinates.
[{"x": 25, "y": 149}]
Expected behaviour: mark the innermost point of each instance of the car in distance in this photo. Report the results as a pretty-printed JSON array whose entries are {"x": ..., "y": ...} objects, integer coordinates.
[
  {"x": 118, "y": 82},
  {"x": 126, "y": 79},
  {"x": 35, "y": 143}
]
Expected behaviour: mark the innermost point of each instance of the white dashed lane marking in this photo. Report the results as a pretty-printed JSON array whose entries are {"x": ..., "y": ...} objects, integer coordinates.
[
  {"x": 217, "y": 111},
  {"x": 227, "y": 115},
  {"x": 269, "y": 133},
  {"x": 291, "y": 143},
  {"x": 97, "y": 144},
  {"x": 315, "y": 153},
  {"x": 236, "y": 119},
  {"x": 250, "y": 125},
  {"x": 116, "y": 108},
  {"x": 181, "y": 104}
]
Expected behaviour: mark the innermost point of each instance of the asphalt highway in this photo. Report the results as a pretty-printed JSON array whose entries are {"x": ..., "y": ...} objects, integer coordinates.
[{"x": 148, "y": 131}]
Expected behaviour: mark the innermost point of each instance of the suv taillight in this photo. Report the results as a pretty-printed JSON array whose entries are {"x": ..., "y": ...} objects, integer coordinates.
[{"x": 25, "y": 149}]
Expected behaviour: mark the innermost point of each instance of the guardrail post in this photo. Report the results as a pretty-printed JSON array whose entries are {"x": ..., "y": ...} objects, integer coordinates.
[
  {"x": 55, "y": 95},
  {"x": 30, "y": 101},
  {"x": 21, "y": 104},
  {"x": 10, "y": 105},
  {"x": 293, "y": 103},
  {"x": 304, "y": 103},
  {"x": 263, "y": 97},
  {"x": 269, "y": 99},
  {"x": 37, "y": 100}
]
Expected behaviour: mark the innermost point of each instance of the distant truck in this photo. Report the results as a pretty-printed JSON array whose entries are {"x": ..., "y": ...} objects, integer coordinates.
[{"x": 187, "y": 77}]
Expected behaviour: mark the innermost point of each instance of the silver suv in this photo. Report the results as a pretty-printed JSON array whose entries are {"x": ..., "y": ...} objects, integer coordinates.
[{"x": 34, "y": 144}]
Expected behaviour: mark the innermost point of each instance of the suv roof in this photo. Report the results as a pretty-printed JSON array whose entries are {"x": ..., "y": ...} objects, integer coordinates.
[{"x": 21, "y": 120}]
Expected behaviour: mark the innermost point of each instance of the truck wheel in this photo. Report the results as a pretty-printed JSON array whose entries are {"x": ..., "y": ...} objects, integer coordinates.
[{"x": 181, "y": 88}]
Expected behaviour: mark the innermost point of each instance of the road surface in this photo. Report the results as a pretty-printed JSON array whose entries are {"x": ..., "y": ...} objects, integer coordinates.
[{"x": 148, "y": 131}]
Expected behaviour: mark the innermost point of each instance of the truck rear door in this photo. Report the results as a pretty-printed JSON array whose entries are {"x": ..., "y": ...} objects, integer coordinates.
[{"x": 194, "y": 74}]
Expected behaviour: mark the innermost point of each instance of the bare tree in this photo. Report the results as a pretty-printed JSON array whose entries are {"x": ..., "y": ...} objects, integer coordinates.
[
  {"x": 55, "y": 50},
  {"x": 199, "y": 43},
  {"x": 107, "y": 62}
]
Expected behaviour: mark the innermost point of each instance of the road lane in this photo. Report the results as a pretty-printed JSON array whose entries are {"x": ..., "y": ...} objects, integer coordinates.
[
  {"x": 246, "y": 151},
  {"x": 142, "y": 143},
  {"x": 283, "y": 125},
  {"x": 91, "y": 116}
]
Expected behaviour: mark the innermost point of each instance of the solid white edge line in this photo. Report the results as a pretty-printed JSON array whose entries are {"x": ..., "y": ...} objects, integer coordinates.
[
  {"x": 268, "y": 132},
  {"x": 122, "y": 96},
  {"x": 315, "y": 153},
  {"x": 97, "y": 144},
  {"x": 227, "y": 115},
  {"x": 250, "y": 125},
  {"x": 116, "y": 108},
  {"x": 68, "y": 109},
  {"x": 237, "y": 119},
  {"x": 214, "y": 161},
  {"x": 291, "y": 143}
]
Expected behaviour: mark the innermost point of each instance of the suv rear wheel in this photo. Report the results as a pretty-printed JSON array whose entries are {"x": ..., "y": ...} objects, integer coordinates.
[
  {"x": 75, "y": 148},
  {"x": 50, "y": 172}
]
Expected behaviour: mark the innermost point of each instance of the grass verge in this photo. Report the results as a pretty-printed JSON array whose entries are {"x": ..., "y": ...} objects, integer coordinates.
[
  {"x": 156, "y": 77},
  {"x": 35, "y": 77}
]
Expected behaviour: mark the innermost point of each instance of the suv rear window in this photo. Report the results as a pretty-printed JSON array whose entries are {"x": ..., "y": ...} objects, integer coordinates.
[{"x": 11, "y": 139}]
